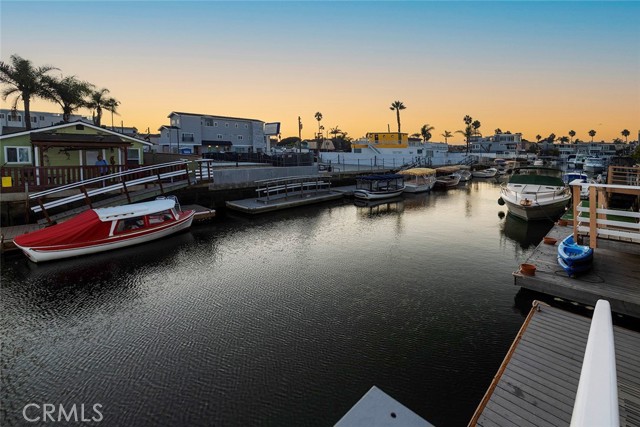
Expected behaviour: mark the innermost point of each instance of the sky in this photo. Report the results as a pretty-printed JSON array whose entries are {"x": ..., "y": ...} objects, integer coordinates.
[{"x": 531, "y": 67}]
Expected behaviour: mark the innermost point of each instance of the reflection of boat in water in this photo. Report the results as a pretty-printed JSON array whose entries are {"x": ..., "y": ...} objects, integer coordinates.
[
  {"x": 418, "y": 180},
  {"x": 526, "y": 233},
  {"x": 534, "y": 193},
  {"x": 374, "y": 187},
  {"x": 105, "y": 229},
  {"x": 393, "y": 204}
]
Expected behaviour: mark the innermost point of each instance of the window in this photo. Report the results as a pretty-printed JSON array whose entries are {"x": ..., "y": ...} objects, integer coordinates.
[
  {"x": 226, "y": 125},
  {"x": 34, "y": 119},
  {"x": 240, "y": 137},
  {"x": 125, "y": 225},
  {"x": 237, "y": 126},
  {"x": 187, "y": 137},
  {"x": 79, "y": 127},
  {"x": 1, "y": 116},
  {"x": 42, "y": 118},
  {"x": 175, "y": 121},
  {"x": 246, "y": 126},
  {"x": 208, "y": 122},
  {"x": 219, "y": 136},
  {"x": 133, "y": 155},
  {"x": 215, "y": 124},
  {"x": 17, "y": 154},
  {"x": 160, "y": 217},
  {"x": 15, "y": 118}
]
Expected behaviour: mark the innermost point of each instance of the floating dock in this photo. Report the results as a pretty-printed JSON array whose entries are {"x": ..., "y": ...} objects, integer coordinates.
[
  {"x": 537, "y": 382},
  {"x": 615, "y": 276},
  {"x": 255, "y": 206}
]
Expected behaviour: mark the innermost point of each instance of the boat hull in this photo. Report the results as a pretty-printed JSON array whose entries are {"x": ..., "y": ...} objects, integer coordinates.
[
  {"x": 377, "y": 195},
  {"x": 487, "y": 173},
  {"x": 412, "y": 188},
  {"x": 537, "y": 211},
  {"x": 43, "y": 254}
]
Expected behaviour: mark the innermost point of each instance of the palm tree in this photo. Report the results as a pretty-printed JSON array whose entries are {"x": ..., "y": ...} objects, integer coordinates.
[
  {"x": 626, "y": 134},
  {"x": 112, "y": 106},
  {"x": 564, "y": 139},
  {"x": 68, "y": 92},
  {"x": 592, "y": 133},
  {"x": 476, "y": 125},
  {"x": 99, "y": 101},
  {"x": 397, "y": 105},
  {"x": 447, "y": 135},
  {"x": 25, "y": 81},
  {"x": 467, "y": 120},
  {"x": 335, "y": 131},
  {"x": 497, "y": 131},
  {"x": 425, "y": 132},
  {"x": 572, "y": 133},
  {"x": 538, "y": 138}
]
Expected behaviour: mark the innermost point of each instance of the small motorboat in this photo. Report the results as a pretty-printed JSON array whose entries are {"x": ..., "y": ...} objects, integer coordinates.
[
  {"x": 418, "y": 180},
  {"x": 574, "y": 258},
  {"x": 447, "y": 177},
  {"x": 485, "y": 173},
  {"x": 465, "y": 173},
  {"x": 104, "y": 229},
  {"x": 372, "y": 187},
  {"x": 582, "y": 177}
]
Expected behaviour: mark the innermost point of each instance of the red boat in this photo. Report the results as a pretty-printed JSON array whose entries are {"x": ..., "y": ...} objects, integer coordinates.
[{"x": 104, "y": 229}]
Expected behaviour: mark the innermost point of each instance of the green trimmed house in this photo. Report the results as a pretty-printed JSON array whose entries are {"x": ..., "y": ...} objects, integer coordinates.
[{"x": 56, "y": 155}]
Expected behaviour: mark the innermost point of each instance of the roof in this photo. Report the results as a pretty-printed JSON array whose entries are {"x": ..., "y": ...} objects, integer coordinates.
[
  {"x": 212, "y": 116},
  {"x": 48, "y": 130},
  {"x": 418, "y": 171},
  {"x": 75, "y": 138},
  {"x": 134, "y": 209}
]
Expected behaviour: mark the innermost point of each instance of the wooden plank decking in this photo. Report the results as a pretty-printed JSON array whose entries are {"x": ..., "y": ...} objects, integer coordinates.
[
  {"x": 537, "y": 382},
  {"x": 615, "y": 276}
]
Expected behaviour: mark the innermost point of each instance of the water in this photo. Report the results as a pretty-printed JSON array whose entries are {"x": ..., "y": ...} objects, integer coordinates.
[{"x": 285, "y": 319}]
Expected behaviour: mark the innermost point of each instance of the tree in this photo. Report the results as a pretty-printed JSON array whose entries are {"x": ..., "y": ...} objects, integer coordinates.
[
  {"x": 112, "y": 106},
  {"x": 397, "y": 106},
  {"x": 335, "y": 131},
  {"x": 25, "y": 81},
  {"x": 592, "y": 133},
  {"x": 538, "y": 138},
  {"x": 626, "y": 134},
  {"x": 291, "y": 141},
  {"x": 551, "y": 138},
  {"x": 68, "y": 92},
  {"x": 564, "y": 139},
  {"x": 572, "y": 133},
  {"x": 446, "y": 135},
  {"x": 425, "y": 132},
  {"x": 468, "y": 131},
  {"x": 497, "y": 131},
  {"x": 476, "y": 125},
  {"x": 98, "y": 101},
  {"x": 318, "y": 117}
]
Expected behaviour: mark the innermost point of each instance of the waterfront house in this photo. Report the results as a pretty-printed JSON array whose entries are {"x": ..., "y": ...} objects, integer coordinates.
[
  {"x": 63, "y": 153},
  {"x": 13, "y": 120},
  {"x": 190, "y": 133},
  {"x": 500, "y": 144}
]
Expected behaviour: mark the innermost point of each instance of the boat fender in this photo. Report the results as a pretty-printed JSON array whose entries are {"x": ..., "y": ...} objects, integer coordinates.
[{"x": 501, "y": 201}]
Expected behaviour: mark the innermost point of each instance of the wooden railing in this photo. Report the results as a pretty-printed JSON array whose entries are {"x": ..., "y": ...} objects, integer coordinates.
[
  {"x": 622, "y": 175},
  {"x": 31, "y": 178},
  {"x": 599, "y": 220}
]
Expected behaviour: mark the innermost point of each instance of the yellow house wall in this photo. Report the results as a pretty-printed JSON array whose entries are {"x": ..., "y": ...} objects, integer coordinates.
[{"x": 385, "y": 140}]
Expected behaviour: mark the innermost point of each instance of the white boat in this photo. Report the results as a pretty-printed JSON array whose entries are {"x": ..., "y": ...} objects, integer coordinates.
[
  {"x": 373, "y": 187},
  {"x": 535, "y": 193},
  {"x": 485, "y": 173},
  {"x": 593, "y": 164},
  {"x": 104, "y": 229},
  {"x": 418, "y": 180},
  {"x": 569, "y": 177},
  {"x": 465, "y": 173},
  {"x": 538, "y": 162}
]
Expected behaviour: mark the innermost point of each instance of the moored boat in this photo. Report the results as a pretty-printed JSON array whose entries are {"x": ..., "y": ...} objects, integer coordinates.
[
  {"x": 593, "y": 164},
  {"x": 418, "y": 180},
  {"x": 447, "y": 177},
  {"x": 582, "y": 177},
  {"x": 574, "y": 258},
  {"x": 535, "y": 193},
  {"x": 485, "y": 173},
  {"x": 104, "y": 229},
  {"x": 465, "y": 173},
  {"x": 373, "y": 187}
]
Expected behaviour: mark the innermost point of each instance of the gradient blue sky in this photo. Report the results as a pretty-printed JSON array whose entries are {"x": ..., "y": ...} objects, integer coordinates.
[{"x": 531, "y": 67}]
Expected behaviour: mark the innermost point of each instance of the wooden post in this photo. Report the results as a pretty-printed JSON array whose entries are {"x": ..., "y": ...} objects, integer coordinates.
[
  {"x": 126, "y": 191},
  {"x": 576, "y": 203},
  {"x": 44, "y": 211},
  {"x": 593, "y": 226},
  {"x": 160, "y": 183},
  {"x": 87, "y": 199}
]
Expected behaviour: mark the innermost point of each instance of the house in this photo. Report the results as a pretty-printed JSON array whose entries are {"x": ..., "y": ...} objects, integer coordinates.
[
  {"x": 65, "y": 153},
  {"x": 190, "y": 133},
  {"x": 13, "y": 120}
]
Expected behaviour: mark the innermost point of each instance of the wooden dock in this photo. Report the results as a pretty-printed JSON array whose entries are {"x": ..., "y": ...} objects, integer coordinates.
[
  {"x": 537, "y": 382},
  {"x": 254, "y": 206},
  {"x": 615, "y": 276}
]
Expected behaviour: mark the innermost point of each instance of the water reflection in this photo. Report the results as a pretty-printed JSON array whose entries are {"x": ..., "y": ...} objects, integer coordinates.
[{"x": 525, "y": 233}]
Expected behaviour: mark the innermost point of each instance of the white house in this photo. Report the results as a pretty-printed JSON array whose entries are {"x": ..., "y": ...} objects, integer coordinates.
[
  {"x": 190, "y": 133},
  {"x": 13, "y": 120}
]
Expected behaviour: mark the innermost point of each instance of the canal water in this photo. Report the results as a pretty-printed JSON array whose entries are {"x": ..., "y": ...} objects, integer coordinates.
[{"x": 285, "y": 319}]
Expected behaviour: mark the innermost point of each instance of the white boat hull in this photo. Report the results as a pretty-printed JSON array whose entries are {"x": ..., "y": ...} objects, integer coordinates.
[
  {"x": 413, "y": 188},
  {"x": 377, "y": 195},
  {"x": 145, "y": 235}
]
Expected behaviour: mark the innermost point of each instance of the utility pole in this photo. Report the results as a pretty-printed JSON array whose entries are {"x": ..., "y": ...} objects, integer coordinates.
[{"x": 299, "y": 135}]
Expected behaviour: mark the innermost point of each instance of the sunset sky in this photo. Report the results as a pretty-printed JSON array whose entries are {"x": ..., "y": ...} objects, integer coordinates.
[{"x": 530, "y": 67}]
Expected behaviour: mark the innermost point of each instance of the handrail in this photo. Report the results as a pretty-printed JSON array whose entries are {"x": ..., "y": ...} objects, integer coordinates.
[
  {"x": 105, "y": 178},
  {"x": 596, "y": 401}
]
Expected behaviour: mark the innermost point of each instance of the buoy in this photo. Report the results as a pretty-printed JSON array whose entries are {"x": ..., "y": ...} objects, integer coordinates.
[{"x": 501, "y": 201}]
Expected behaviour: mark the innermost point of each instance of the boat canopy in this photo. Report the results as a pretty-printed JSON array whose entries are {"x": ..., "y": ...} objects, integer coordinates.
[
  {"x": 418, "y": 172},
  {"x": 447, "y": 169},
  {"x": 134, "y": 209},
  {"x": 387, "y": 177},
  {"x": 536, "y": 180},
  {"x": 82, "y": 228}
]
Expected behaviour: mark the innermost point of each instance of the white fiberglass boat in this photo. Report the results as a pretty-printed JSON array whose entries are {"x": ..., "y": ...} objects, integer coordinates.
[{"x": 418, "y": 180}]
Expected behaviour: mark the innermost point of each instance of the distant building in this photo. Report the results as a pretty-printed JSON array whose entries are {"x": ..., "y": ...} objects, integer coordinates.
[
  {"x": 190, "y": 133},
  {"x": 499, "y": 144},
  {"x": 13, "y": 120}
]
